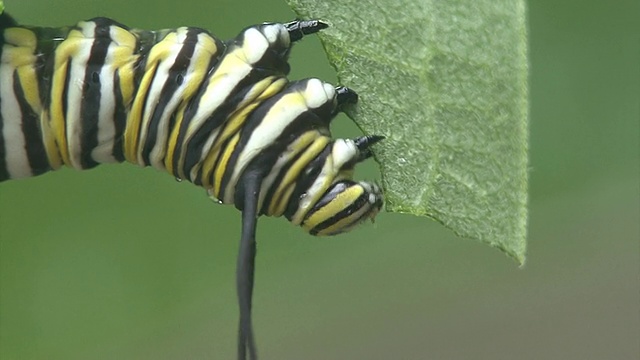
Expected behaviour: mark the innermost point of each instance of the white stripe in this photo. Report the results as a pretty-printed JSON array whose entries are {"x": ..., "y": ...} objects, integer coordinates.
[
  {"x": 273, "y": 32},
  {"x": 103, "y": 153},
  {"x": 254, "y": 45},
  {"x": 77, "y": 69},
  {"x": 14, "y": 141},
  {"x": 318, "y": 93}
]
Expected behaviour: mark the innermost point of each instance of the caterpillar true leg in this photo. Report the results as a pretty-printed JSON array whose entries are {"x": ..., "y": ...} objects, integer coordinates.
[{"x": 299, "y": 28}]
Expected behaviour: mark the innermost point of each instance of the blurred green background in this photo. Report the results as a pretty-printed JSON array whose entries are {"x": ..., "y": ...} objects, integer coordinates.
[{"x": 125, "y": 263}]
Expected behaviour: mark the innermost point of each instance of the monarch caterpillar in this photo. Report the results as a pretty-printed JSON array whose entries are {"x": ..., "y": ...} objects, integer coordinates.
[{"x": 220, "y": 114}]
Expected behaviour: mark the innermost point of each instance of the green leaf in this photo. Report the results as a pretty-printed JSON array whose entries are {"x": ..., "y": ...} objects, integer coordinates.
[
  {"x": 446, "y": 83},
  {"x": 1, "y": 6}
]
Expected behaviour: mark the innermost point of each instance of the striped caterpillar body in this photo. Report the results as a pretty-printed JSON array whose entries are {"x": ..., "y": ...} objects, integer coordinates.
[{"x": 220, "y": 114}]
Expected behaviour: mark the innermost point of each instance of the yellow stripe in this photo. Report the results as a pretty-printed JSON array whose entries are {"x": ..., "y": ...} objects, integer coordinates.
[
  {"x": 29, "y": 83},
  {"x": 281, "y": 204},
  {"x": 132, "y": 130},
  {"x": 123, "y": 60},
  {"x": 222, "y": 165},
  {"x": 173, "y": 143},
  {"x": 23, "y": 58},
  {"x": 20, "y": 37}
]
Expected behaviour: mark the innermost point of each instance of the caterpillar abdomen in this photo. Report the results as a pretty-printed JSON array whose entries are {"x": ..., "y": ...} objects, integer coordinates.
[{"x": 187, "y": 103}]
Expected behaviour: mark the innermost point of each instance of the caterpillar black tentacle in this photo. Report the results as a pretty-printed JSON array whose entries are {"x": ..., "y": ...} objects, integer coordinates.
[
  {"x": 220, "y": 114},
  {"x": 246, "y": 265}
]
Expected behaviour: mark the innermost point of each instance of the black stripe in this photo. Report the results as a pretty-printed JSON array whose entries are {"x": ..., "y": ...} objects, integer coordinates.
[
  {"x": 4, "y": 172},
  {"x": 5, "y": 21},
  {"x": 91, "y": 95},
  {"x": 34, "y": 146},
  {"x": 215, "y": 165},
  {"x": 44, "y": 66},
  {"x": 361, "y": 201},
  {"x": 121, "y": 109},
  {"x": 146, "y": 41},
  {"x": 177, "y": 73},
  {"x": 65, "y": 101},
  {"x": 106, "y": 22},
  {"x": 119, "y": 119},
  {"x": 143, "y": 46},
  {"x": 198, "y": 179}
]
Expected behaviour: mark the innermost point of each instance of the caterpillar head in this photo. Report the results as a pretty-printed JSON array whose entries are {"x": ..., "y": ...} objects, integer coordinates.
[
  {"x": 344, "y": 206},
  {"x": 346, "y": 203}
]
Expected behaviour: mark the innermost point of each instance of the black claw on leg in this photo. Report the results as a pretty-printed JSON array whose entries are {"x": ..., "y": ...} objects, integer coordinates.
[
  {"x": 364, "y": 143},
  {"x": 345, "y": 95},
  {"x": 299, "y": 28}
]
